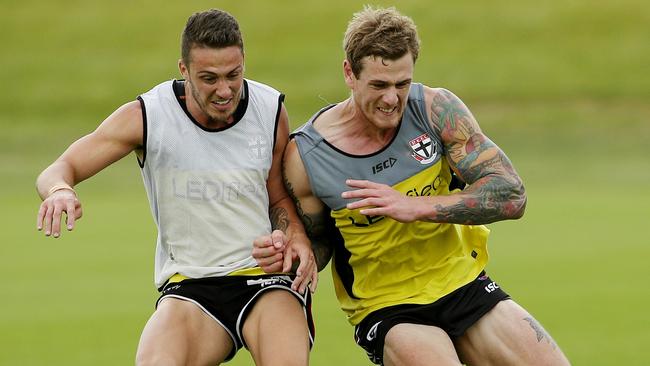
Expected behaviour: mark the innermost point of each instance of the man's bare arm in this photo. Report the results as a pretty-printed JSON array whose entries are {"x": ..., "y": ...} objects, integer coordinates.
[
  {"x": 311, "y": 210},
  {"x": 495, "y": 190},
  {"x": 118, "y": 135},
  {"x": 298, "y": 256}
]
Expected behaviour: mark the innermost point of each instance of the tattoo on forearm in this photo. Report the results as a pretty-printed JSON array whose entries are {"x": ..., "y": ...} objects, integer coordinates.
[
  {"x": 295, "y": 200},
  {"x": 315, "y": 227},
  {"x": 540, "y": 332},
  {"x": 495, "y": 191},
  {"x": 279, "y": 218},
  {"x": 488, "y": 198}
]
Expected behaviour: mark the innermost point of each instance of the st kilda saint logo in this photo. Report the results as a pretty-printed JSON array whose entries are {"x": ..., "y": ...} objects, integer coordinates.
[{"x": 423, "y": 148}]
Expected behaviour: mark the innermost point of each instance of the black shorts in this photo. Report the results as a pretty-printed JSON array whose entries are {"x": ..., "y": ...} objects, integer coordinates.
[
  {"x": 228, "y": 300},
  {"x": 453, "y": 313}
]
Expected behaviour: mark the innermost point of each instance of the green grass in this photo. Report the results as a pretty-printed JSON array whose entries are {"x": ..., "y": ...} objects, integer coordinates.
[{"x": 561, "y": 86}]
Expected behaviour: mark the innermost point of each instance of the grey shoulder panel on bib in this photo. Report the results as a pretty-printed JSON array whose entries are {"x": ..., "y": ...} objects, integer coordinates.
[{"x": 415, "y": 147}]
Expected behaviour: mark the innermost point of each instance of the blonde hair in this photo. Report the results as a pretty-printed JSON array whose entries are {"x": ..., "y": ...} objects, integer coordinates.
[{"x": 381, "y": 32}]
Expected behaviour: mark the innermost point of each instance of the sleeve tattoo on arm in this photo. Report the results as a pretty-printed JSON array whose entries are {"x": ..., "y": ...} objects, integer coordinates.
[{"x": 495, "y": 191}]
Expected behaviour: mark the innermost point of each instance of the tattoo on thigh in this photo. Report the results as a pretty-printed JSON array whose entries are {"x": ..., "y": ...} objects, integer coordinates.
[{"x": 540, "y": 332}]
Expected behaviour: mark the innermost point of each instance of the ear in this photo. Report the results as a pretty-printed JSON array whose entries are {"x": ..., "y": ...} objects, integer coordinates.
[
  {"x": 348, "y": 74},
  {"x": 183, "y": 69}
]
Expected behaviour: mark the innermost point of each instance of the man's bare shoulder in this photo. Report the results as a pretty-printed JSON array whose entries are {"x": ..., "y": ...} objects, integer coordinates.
[
  {"x": 432, "y": 90},
  {"x": 131, "y": 110},
  {"x": 328, "y": 119},
  {"x": 441, "y": 105},
  {"x": 124, "y": 125},
  {"x": 437, "y": 94}
]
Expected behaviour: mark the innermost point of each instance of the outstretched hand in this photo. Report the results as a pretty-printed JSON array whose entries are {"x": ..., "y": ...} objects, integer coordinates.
[
  {"x": 52, "y": 209},
  {"x": 377, "y": 199},
  {"x": 275, "y": 253}
]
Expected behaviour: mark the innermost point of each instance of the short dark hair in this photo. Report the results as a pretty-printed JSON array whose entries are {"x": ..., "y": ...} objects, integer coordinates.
[
  {"x": 212, "y": 28},
  {"x": 379, "y": 32}
]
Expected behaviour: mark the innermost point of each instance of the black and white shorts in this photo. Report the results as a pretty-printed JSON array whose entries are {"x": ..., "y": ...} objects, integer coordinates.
[
  {"x": 453, "y": 313},
  {"x": 229, "y": 299}
]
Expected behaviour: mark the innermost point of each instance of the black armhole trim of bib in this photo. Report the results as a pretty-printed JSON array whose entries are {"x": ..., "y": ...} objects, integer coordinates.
[
  {"x": 277, "y": 119},
  {"x": 341, "y": 258},
  {"x": 144, "y": 134}
]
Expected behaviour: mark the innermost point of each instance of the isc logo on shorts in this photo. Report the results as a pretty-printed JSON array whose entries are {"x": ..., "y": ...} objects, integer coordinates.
[
  {"x": 270, "y": 281},
  {"x": 491, "y": 287}
]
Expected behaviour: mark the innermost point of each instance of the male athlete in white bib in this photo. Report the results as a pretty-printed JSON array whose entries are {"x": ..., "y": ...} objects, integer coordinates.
[{"x": 210, "y": 148}]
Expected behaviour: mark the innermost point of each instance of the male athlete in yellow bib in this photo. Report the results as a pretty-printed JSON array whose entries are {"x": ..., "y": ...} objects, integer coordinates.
[{"x": 372, "y": 179}]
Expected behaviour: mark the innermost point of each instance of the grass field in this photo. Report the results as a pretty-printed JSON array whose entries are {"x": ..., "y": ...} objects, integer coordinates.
[{"x": 561, "y": 86}]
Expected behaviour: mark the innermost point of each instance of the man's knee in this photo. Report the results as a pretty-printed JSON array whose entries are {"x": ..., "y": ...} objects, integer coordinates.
[
  {"x": 154, "y": 349},
  {"x": 276, "y": 330},
  {"x": 276, "y": 309},
  {"x": 416, "y": 344},
  {"x": 180, "y": 333},
  {"x": 148, "y": 356},
  {"x": 509, "y": 335}
]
